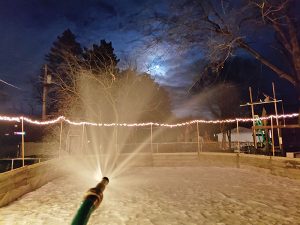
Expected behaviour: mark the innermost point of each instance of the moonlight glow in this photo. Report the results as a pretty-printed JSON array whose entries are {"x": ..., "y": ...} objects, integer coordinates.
[{"x": 157, "y": 70}]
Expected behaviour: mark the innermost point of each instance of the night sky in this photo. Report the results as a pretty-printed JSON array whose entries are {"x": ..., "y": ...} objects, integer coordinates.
[{"x": 28, "y": 29}]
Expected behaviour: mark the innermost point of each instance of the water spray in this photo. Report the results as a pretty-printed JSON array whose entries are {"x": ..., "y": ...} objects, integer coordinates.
[{"x": 91, "y": 201}]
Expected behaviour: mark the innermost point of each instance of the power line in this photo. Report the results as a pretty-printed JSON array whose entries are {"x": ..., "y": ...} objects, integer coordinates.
[{"x": 10, "y": 84}]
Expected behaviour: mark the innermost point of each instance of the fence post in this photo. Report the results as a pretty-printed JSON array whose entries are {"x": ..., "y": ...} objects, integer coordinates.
[
  {"x": 12, "y": 164},
  {"x": 82, "y": 138},
  {"x": 22, "y": 145},
  {"x": 151, "y": 138},
  {"x": 116, "y": 136},
  {"x": 238, "y": 144},
  {"x": 60, "y": 138},
  {"x": 238, "y": 136},
  {"x": 198, "y": 139},
  {"x": 272, "y": 134}
]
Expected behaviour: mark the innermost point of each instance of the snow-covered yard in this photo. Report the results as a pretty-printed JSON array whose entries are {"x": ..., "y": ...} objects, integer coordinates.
[{"x": 188, "y": 195}]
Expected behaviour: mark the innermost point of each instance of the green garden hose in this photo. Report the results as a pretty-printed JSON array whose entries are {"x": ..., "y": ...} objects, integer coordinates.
[{"x": 91, "y": 201}]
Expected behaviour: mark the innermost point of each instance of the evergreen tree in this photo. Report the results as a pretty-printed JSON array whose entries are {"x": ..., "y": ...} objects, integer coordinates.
[
  {"x": 87, "y": 83},
  {"x": 101, "y": 58},
  {"x": 63, "y": 48},
  {"x": 141, "y": 99},
  {"x": 63, "y": 59}
]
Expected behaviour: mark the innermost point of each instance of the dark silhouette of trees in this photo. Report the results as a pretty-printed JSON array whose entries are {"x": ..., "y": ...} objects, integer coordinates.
[
  {"x": 88, "y": 84},
  {"x": 64, "y": 55},
  {"x": 141, "y": 99},
  {"x": 125, "y": 96},
  {"x": 61, "y": 53},
  {"x": 65, "y": 59},
  {"x": 219, "y": 29},
  {"x": 283, "y": 17},
  {"x": 224, "y": 89},
  {"x": 100, "y": 58}
]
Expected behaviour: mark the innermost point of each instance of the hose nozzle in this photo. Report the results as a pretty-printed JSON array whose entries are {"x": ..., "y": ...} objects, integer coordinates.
[
  {"x": 91, "y": 201},
  {"x": 97, "y": 192}
]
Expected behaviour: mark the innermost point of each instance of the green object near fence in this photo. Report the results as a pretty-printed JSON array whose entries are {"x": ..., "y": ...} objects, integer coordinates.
[{"x": 260, "y": 132}]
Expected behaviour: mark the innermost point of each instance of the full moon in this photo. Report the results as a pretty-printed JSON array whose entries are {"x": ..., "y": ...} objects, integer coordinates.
[{"x": 158, "y": 70}]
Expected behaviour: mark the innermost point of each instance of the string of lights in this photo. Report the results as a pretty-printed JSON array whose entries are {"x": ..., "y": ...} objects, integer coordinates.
[{"x": 81, "y": 123}]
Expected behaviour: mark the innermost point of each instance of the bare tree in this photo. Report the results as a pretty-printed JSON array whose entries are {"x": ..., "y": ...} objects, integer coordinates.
[
  {"x": 108, "y": 95},
  {"x": 219, "y": 28},
  {"x": 280, "y": 16},
  {"x": 223, "y": 101}
]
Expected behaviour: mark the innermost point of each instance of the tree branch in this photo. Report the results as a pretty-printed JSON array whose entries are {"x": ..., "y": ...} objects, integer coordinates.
[{"x": 277, "y": 70}]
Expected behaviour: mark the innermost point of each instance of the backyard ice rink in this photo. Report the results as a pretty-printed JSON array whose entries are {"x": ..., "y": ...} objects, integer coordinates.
[{"x": 167, "y": 195}]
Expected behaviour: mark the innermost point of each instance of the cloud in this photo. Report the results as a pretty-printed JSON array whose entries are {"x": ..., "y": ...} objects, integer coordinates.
[
  {"x": 181, "y": 71},
  {"x": 40, "y": 14}
]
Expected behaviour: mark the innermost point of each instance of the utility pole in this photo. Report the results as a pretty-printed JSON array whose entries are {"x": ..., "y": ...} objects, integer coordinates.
[
  {"x": 46, "y": 82},
  {"x": 276, "y": 113},
  {"x": 253, "y": 121}
]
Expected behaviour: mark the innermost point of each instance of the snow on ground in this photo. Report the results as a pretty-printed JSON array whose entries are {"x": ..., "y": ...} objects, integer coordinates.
[{"x": 146, "y": 196}]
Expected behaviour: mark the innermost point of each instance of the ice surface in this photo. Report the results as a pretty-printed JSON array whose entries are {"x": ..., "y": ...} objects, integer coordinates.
[{"x": 188, "y": 195}]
